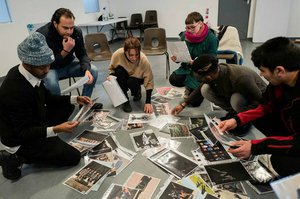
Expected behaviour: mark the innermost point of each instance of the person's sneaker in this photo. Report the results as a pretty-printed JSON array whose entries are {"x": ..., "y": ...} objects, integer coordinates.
[
  {"x": 138, "y": 96},
  {"x": 97, "y": 106},
  {"x": 127, "y": 107},
  {"x": 10, "y": 165}
]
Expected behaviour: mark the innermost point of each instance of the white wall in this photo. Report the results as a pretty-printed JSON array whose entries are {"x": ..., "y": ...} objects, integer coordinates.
[{"x": 171, "y": 15}]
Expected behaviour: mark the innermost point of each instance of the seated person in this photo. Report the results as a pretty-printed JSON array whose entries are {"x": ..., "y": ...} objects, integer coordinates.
[
  {"x": 200, "y": 39},
  {"x": 132, "y": 69},
  {"x": 279, "y": 115},
  {"x": 31, "y": 116},
  {"x": 65, "y": 39}
]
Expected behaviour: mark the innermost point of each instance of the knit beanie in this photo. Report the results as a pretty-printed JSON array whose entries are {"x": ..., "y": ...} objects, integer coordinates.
[{"x": 35, "y": 51}]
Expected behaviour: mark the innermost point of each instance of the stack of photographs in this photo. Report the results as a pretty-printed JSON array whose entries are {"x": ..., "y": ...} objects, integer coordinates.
[
  {"x": 87, "y": 140},
  {"x": 174, "y": 162},
  {"x": 144, "y": 140},
  {"x": 170, "y": 92},
  {"x": 102, "y": 121},
  {"x": 227, "y": 172},
  {"x": 165, "y": 143},
  {"x": 90, "y": 175},
  {"x": 110, "y": 153}
]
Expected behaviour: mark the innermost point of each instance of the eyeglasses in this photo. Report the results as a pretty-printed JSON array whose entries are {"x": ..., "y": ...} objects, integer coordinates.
[{"x": 192, "y": 27}]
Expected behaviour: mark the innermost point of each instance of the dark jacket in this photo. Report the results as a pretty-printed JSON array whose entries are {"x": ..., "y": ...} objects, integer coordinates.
[
  {"x": 54, "y": 41},
  {"x": 23, "y": 110},
  {"x": 283, "y": 105}
]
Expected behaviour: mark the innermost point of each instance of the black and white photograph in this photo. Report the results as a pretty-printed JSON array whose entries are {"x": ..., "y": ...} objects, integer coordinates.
[
  {"x": 233, "y": 187},
  {"x": 260, "y": 187},
  {"x": 83, "y": 180},
  {"x": 144, "y": 140},
  {"x": 116, "y": 191},
  {"x": 200, "y": 121},
  {"x": 227, "y": 172},
  {"x": 177, "y": 191},
  {"x": 175, "y": 163}
]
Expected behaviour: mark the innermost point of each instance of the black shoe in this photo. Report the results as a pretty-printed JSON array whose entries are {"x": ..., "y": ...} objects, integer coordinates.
[
  {"x": 138, "y": 96},
  {"x": 97, "y": 106},
  {"x": 127, "y": 107},
  {"x": 10, "y": 165}
]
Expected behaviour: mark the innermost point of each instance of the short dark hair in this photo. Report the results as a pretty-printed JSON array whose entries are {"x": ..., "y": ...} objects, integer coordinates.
[
  {"x": 205, "y": 63},
  {"x": 61, "y": 12},
  {"x": 193, "y": 17},
  {"x": 278, "y": 51},
  {"x": 132, "y": 43}
]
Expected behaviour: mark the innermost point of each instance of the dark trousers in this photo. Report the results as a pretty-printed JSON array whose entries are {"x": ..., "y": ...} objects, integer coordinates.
[
  {"x": 284, "y": 165},
  {"x": 177, "y": 80},
  {"x": 51, "y": 151},
  {"x": 126, "y": 82}
]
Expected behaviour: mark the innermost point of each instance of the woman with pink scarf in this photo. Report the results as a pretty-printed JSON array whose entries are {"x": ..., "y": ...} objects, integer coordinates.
[{"x": 200, "y": 39}]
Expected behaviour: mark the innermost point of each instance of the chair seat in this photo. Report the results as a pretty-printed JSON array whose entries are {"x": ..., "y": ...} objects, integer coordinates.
[
  {"x": 102, "y": 57},
  {"x": 225, "y": 56}
]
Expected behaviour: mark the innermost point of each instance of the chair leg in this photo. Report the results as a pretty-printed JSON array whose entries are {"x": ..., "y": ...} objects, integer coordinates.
[
  {"x": 78, "y": 92},
  {"x": 167, "y": 65}
]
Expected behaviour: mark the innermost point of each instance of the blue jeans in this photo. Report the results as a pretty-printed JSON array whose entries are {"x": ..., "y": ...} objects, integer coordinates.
[{"x": 72, "y": 70}]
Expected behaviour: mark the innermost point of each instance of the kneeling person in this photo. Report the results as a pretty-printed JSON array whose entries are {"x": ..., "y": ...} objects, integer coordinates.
[{"x": 132, "y": 69}]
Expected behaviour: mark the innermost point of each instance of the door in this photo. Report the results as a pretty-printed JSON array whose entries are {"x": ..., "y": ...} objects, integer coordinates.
[{"x": 235, "y": 13}]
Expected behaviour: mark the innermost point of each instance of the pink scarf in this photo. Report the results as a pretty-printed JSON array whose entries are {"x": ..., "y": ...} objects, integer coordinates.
[{"x": 199, "y": 36}]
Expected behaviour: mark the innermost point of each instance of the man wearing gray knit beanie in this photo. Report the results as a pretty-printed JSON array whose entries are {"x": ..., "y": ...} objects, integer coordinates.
[{"x": 31, "y": 117}]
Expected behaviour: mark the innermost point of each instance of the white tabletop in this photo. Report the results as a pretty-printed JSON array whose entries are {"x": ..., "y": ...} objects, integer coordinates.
[{"x": 103, "y": 23}]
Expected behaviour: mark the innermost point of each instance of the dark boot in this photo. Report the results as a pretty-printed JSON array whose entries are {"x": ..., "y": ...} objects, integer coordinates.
[
  {"x": 10, "y": 165},
  {"x": 137, "y": 96},
  {"x": 126, "y": 107}
]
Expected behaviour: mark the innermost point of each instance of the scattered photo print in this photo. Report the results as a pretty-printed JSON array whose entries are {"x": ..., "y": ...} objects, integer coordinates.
[
  {"x": 140, "y": 118},
  {"x": 87, "y": 140},
  {"x": 260, "y": 188},
  {"x": 234, "y": 187},
  {"x": 202, "y": 186},
  {"x": 213, "y": 153},
  {"x": 144, "y": 140},
  {"x": 160, "y": 99},
  {"x": 175, "y": 93},
  {"x": 146, "y": 184},
  {"x": 227, "y": 194},
  {"x": 163, "y": 90},
  {"x": 130, "y": 126},
  {"x": 199, "y": 121},
  {"x": 97, "y": 115},
  {"x": 174, "y": 190},
  {"x": 227, "y": 172},
  {"x": 162, "y": 109},
  {"x": 83, "y": 180},
  {"x": 116, "y": 191},
  {"x": 258, "y": 172},
  {"x": 175, "y": 163},
  {"x": 197, "y": 133},
  {"x": 178, "y": 130}
]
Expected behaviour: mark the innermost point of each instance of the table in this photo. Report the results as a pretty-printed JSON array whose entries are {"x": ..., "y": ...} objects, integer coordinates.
[{"x": 101, "y": 24}]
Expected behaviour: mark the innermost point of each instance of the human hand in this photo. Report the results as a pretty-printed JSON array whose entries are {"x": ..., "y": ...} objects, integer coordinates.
[
  {"x": 90, "y": 76},
  {"x": 241, "y": 149},
  {"x": 174, "y": 58},
  {"x": 176, "y": 110},
  {"x": 148, "y": 108},
  {"x": 66, "y": 127},
  {"x": 68, "y": 44},
  {"x": 82, "y": 100},
  {"x": 227, "y": 124}
]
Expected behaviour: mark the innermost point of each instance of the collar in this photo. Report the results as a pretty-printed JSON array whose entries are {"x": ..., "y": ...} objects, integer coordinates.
[{"x": 29, "y": 77}]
